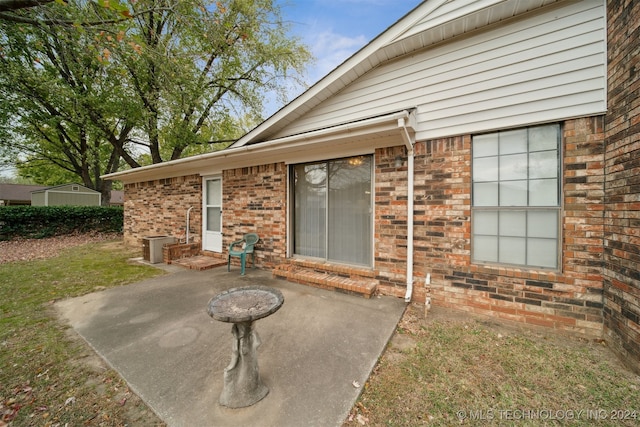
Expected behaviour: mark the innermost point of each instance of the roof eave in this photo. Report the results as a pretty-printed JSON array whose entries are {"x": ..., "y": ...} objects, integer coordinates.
[{"x": 340, "y": 137}]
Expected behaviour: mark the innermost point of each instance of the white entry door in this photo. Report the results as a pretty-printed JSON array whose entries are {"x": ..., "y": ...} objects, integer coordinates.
[{"x": 212, "y": 221}]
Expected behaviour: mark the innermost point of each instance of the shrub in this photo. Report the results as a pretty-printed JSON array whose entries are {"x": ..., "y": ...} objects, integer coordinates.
[{"x": 46, "y": 221}]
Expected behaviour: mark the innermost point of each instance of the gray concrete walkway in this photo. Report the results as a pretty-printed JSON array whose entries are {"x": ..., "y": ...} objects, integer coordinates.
[{"x": 159, "y": 338}]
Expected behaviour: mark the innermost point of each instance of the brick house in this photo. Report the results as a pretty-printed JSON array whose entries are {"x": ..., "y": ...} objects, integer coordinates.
[{"x": 482, "y": 156}]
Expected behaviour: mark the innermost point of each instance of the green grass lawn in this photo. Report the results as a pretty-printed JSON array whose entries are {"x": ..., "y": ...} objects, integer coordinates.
[
  {"x": 437, "y": 371},
  {"x": 44, "y": 375},
  {"x": 466, "y": 371}
]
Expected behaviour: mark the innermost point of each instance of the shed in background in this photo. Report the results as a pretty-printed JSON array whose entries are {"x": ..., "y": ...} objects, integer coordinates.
[{"x": 66, "y": 194}]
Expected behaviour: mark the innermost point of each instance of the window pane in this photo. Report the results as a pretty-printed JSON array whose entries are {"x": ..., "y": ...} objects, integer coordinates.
[
  {"x": 214, "y": 192},
  {"x": 512, "y": 250},
  {"x": 485, "y": 194},
  {"x": 513, "y": 141},
  {"x": 544, "y": 137},
  {"x": 485, "y": 248},
  {"x": 513, "y": 166},
  {"x": 543, "y": 164},
  {"x": 513, "y": 193},
  {"x": 485, "y": 222},
  {"x": 310, "y": 209},
  {"x": 332, "y": 210},
  {"x": 485, "y": 169},
  {"x": 213, "y": 219},
  {"x": 542, "y": 252},
  {"x": 543, "y": 224},
  {"x": 485, "y": 145},
  {"x": 513, "y": 223},
  {"x": 543, "y": 192},
  {"x": 350, "y": 230},
  {"x": 528, "y": 176}
]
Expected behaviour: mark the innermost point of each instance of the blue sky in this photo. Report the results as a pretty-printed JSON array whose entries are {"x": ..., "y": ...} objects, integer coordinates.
[{"x": 335, "y": 29}]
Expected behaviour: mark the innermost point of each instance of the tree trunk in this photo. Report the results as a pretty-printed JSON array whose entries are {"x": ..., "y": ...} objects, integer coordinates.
[{"x": 107, "y": 186}]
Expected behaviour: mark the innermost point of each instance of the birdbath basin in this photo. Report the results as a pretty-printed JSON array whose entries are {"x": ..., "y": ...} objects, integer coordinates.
[{"x": 242, "y": 307}]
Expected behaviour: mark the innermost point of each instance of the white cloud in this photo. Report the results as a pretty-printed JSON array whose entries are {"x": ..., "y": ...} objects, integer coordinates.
[{"x": 331, "y": 49}]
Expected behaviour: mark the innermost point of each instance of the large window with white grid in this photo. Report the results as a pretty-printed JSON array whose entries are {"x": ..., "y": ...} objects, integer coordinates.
[{"x": 516, "y": 197}]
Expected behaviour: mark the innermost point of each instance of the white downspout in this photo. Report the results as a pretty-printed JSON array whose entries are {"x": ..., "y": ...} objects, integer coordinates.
[
  {"x": 187, "y": 233},
  {"x": 409, "y": 141}
]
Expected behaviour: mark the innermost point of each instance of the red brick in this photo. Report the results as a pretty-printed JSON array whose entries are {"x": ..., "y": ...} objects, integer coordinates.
[{"x": 622, "y": 133}]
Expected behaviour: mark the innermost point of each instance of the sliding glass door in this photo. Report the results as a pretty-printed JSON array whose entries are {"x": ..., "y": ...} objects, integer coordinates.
[{"x": 333, "y": 210}]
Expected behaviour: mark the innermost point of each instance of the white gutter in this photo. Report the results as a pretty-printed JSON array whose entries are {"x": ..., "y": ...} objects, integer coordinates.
[{"x": 409, "y": 141}]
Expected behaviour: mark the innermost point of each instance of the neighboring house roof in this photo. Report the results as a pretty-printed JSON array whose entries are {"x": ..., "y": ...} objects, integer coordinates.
[
  {"x": 424, "y": 78},
  {"x": 18, "y": 192}
]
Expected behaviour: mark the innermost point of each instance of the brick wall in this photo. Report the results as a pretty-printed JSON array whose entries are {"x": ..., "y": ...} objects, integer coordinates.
[
  {"x": 160, "y": 208},
  {"x": 566, "y": 300},
  {"x": 390, "y": 219},
  {"x": 622, "y": 187},
  {"x": 254, "y": 201},
  {"x": 442, "y": 208}
]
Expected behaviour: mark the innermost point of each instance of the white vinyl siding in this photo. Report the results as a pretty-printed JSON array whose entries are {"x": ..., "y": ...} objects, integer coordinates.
[
  {"x": 545, "y": 67},
  {"x": 37, "y": 199}
]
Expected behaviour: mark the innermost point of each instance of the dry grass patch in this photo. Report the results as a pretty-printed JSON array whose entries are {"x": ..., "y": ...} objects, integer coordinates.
[
  {"x": 49, "y": 376},
  {"x": 441, "y": 371}
]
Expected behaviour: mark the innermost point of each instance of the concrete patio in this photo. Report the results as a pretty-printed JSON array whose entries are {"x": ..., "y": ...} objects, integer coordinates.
[{"x": 315, "y": 350}]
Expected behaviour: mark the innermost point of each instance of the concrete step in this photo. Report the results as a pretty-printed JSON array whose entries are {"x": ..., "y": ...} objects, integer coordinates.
[
  {"x": 199, "y": 262},
  {"x": 363, "y": 286}
]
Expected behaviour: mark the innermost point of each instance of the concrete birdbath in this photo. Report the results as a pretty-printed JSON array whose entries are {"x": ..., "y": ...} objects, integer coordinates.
[{"x": 242, "y": 307}]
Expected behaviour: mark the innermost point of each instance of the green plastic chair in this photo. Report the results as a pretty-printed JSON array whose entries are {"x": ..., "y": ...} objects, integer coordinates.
[{"x": 244, "y": 247}]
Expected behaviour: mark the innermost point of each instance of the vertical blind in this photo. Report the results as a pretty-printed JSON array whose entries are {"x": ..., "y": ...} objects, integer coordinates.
[{"x": 333, "y": 209}]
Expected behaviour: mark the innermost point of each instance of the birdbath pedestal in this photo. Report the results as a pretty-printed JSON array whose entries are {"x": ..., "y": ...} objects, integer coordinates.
[{"x": 242, "y": 307}]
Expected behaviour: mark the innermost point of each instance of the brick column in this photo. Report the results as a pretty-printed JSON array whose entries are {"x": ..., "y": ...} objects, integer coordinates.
[
  {"x": 622, "y": 218},
  {"x": 390, "y": 219},
  {"x": 254, "y": 200}
]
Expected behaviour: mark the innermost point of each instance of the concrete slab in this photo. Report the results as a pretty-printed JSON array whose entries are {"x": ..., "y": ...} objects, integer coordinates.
[{"x": 157, "y": 335}]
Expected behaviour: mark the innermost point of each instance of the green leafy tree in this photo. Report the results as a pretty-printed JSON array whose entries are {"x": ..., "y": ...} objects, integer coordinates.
[
  {"x": 13, "y": 5},
  {"x": 94, "y": 13},
  {"x": 196, "y": 67},
  {"x": 155, "y": 79},
  {"x": 58, "y": 115}
]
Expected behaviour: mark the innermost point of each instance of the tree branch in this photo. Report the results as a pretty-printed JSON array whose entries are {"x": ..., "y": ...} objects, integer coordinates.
[
  {"x": 20, "y": 19},
  {"x": 7, "y": 5}
]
